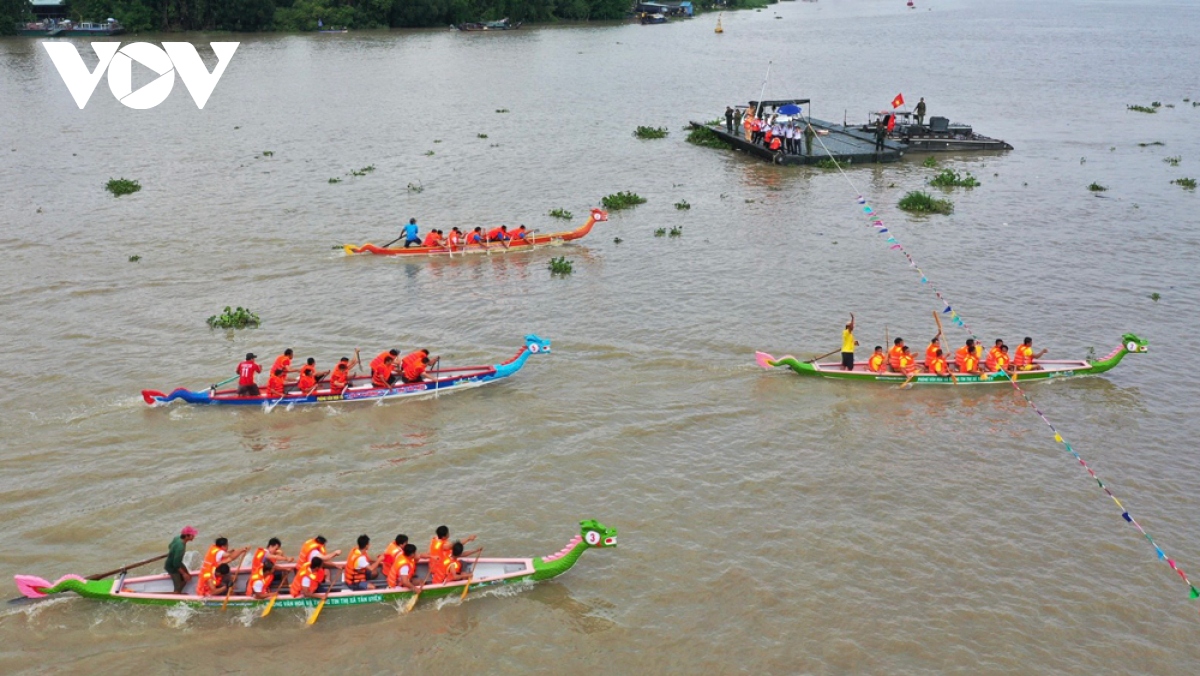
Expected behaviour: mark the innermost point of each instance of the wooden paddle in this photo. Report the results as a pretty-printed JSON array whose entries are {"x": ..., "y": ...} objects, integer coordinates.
[
  {"x": 391, "y": 242},
  {"x": 942, "y": 341},
  {"x": 270, "y": 604},
  {"x": 232, "y": 581},
  {"x": 321, "y": 605},
  {"x": 412, "y": 603},
  {"x": 467, "y": 586},
  {"x": 822, "y": 356}
]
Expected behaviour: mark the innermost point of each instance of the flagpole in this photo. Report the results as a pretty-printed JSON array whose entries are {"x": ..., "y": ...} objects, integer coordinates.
[{"x": 763, "y": 91}]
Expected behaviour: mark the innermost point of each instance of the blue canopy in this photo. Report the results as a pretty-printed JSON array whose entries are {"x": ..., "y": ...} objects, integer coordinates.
[{"x": 790, "y": 109}]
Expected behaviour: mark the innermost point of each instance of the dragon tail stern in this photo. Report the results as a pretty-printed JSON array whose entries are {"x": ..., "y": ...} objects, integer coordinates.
[
  {"x": 34, "y": 587},
  {"x": 765, "y": 360},
  {"x": 350, "y": 249},
  {"x": 592, "y": 534}
]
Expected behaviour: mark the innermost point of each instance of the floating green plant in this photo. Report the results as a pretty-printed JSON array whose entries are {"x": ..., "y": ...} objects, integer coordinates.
[
  {"x": 924, "y": 203},
  {"x": 362, "y": 172},
  {"x": 682, "y": 204},
  {"x": 707, "y": 138},
  {"x": 1173, "y": 161},
  {"x": 122, "y": 186},
  {"x": 622, "y": 200},
  {"x": 481, "y": 136},
  {"x": 238, "y": 318},
  {"x": 335, "y": 180},
  {"x": 930, "y": 162},
  {"x": 1155, "y": 296},
  {"x": 437, "y": 140},
  {"x": 428, "y": 153},
  {"x": 135, "y": 258},
  {"x": 676, "y": 231},
  {"x": 1185, "y": 183},
  {"x": 502, "y": 110},
  {"x": 660, "y": 232},
  {"x": 561, "y": 213},
  {"x": 1096, "y": 187},
  {"x": 948, "y": 178},
  {"x": 1152, "y": 143},
  {"x": 1156, "y": 104},
  {"x": 650, "y": 132},
  {"x": 617, "y": 240},
  {"x": 1142, "y": 109},
  {"x": 416, "y": 187},
  {"x": 561, "y": 266},
  {"x": 268, "y": 153}
]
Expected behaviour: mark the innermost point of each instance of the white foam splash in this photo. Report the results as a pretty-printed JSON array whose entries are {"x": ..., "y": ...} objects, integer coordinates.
[
  {"x": 179, "y": 614},
  {"x": 248, "y": 615}
]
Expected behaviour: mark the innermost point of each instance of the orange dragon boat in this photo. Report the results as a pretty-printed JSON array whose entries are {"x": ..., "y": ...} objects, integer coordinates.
[{"x": 534, "y": 240}]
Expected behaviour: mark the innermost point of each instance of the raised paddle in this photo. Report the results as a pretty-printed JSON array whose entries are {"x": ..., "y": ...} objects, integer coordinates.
[
  {"x": 942, "y": 341},
  {"x": 412, "y": 603},
  {"x": 822, "y": 356},
  {"x": 467, "y": 586}
]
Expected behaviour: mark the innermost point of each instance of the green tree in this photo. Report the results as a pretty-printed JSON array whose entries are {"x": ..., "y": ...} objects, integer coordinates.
[{"x": 11, "y": 12}]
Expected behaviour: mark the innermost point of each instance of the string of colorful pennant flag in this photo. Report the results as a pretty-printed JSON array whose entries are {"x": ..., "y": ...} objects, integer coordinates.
[{"x": 876, "y": 222}]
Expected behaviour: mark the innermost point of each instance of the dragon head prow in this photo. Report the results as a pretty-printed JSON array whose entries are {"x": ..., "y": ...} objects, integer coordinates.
[
  {"x": 535, "y": 344},
  {"x": 599, "y": 215},
  {"x": 597, "y": 534},
  {"x": 1133, "y": 344}
]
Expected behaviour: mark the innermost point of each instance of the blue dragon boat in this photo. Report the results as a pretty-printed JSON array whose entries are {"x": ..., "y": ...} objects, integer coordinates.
[{"x": 360, "y": 388}]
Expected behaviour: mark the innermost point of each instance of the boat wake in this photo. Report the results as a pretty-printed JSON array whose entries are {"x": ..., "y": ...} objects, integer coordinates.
[{"x": 179, "y": 615}]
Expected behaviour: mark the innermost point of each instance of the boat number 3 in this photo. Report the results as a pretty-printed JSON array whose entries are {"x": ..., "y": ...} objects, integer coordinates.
[{"x": 592, "y": 538}]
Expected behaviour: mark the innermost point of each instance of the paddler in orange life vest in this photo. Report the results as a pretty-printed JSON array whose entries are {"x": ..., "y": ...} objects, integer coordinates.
[
  {"x": 476, "y": 236},
  {"x": 1001, "y": 360},
  {"x": 934, "y": 345},
  {"x": 217, "y": 554},
  {"x": 970, "y": 349},
  {"x": 456, "y": 237},
  {"x": 907, "y": 364},
  {"x": 519, "y": 234},
  {"x": 309, "y": 576},
  {"x": 1023, "y": 361},
  {"x": 276, "y": 384},
  {"x": 499, "y": 234},
  {"x": 314, "y": 549},
  {"x": 894, "y": 354},
  {"x": 360, "y": 569},
  {"x": 876, "y": 362},
  {"x": 451, "y": 568},
  {"x": 440, "y": 544},
  {"x": 412, "y": 368},
  {"x": 382, "y": 367},
  {"x": 247, "y": 386},
  {"x": 309, "y": 376},
  {"x": 394, "y": 548},
  {"x": 259, "y": 586},
  {"x": 272, "y": 554},
  {"x": 339, "y": 378},
  {"x": 937, "y": 364},
  {"x": 431, "y": 240},
  {"x": 283, "y": 361},
  {"x": 993, "y": 354},
  {"x": 403, "y": 567}
]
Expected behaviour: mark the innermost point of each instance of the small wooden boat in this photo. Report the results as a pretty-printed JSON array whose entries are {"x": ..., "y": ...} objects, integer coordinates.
[
  {"x": 158, "y": 589},
  {"x": 532, "y": 241},
  {"x": 1046, "y": 369},
  {"x": 360, "y": 388}
]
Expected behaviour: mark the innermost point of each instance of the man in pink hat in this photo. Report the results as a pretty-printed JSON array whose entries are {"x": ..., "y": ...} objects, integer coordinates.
[{"x": 174, "y": 565}]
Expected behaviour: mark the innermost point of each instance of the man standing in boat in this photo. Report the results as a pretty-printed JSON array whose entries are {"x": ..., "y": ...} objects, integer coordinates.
[
  {"x": 179, "y": 573},
  {"x": 920, "y": 111},
  {"x": 848, "y": 343},
  {"x": 247, "y": 386},
  {"x": 729, "y": 119},
  {"x": 411, "y": 234}
]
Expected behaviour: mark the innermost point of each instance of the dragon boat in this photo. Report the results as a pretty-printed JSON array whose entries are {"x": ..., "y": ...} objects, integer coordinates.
[
  {"x": 534, "y": 240},
  {"x": 486, "y": 572},
  {"x": 360, "y": 388},
  {"x": 1046, "y": 369}
]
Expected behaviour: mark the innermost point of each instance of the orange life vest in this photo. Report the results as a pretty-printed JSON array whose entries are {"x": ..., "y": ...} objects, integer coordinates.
[
  {"x": 413, "y": 370},
  {"x": 474, "y": 238},
  {"x": 448, "y": 566},
  {"x": 1000, "y": 363},
  {"x": 210, "y": 559},
  {"x": 875, "y": 363},
  {"x": 961, "y": 353},
  {"x": 970, "y": 364},
  {"x": 380, "y": 374},
  {"x": 337, "y": 379},
  {"x": 308, "y": 377},
  {"x": 894, "y": 353},
  {"x": 1024, "y": 355},
  {"x": 430, "y": 240},
  {"x": 775, "y": 144},
  {"x": 931, "y": 353},
  {"x": 204, "y": 585},
  {"x": 282, "y": 362},
  {"x": 275, "y": 385},
  {"x": 305, "y": 572},
  {"x": 992, "y": 355},
  {"x": 350, "y": 574},
  {"x": 496, "y": 235},
  {"x": 937, "y": 366},
  {"x": 906, "y": 363},
  {"x": 389, "y": 555},
  {"x": 395, "y": 570},
  {"x": 307, "y": 549},
  {"x": 258, "y": 576},
  {"x": 256, "y": 562}
]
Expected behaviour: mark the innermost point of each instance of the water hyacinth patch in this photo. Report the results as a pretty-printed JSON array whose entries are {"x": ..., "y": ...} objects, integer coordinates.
[
  {"x": 706, "y": 138},
  {"x": 622, "y": 200},
  {"x": 234, "y": 318},
  {"x": 924, "y": 203},
  {"x": 948, "y": 178},
  {"x": 650, "y": 132},
  {"x": 561, "y": 266},
  {"x": 122, "y": 186},
  {"x": 561, "y": 213}
]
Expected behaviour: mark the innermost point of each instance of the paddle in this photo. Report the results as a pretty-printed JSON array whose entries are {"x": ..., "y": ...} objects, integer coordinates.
[
  {"x": 942, "y": 341},
  {"x": 392, "y": 242},
  {"x": 324, "y": 598},
  {"x": 467, "y": 586},
  {"x": 357, "y": 361},
  {"x": 822, "y": 356},
  {"x": 233, "y": 581},
  {"x": 413, "y": 601},
  {"x": 214, "y": 386},
  {"x": 270, "y": 604}
]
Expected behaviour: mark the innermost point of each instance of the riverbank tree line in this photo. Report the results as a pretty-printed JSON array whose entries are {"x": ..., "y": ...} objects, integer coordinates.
[{"x": 303, "y": 15}]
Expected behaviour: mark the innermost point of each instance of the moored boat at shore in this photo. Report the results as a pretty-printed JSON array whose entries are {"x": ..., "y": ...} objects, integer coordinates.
[
  {"x": 360, "y": 388},
  {"x": 69, "y": 29},
  {"x": 500, "y": 25},
  {"x": 1046, "y": 369},
  {"x": 485, "y": 572},
  {"x": 532, "y": 241}
]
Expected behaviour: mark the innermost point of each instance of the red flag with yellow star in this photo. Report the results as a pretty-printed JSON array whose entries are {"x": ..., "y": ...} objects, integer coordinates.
[{"x": 898, "y": 101}]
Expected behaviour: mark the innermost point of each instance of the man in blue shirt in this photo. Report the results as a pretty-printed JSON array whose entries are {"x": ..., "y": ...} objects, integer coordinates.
[{"x": 410, "y": 234}]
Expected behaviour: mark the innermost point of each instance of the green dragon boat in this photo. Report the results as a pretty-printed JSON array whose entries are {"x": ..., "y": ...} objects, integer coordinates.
[
  {"x": 158, "y": 589},
  {"x": 1045, "y": 369}
]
